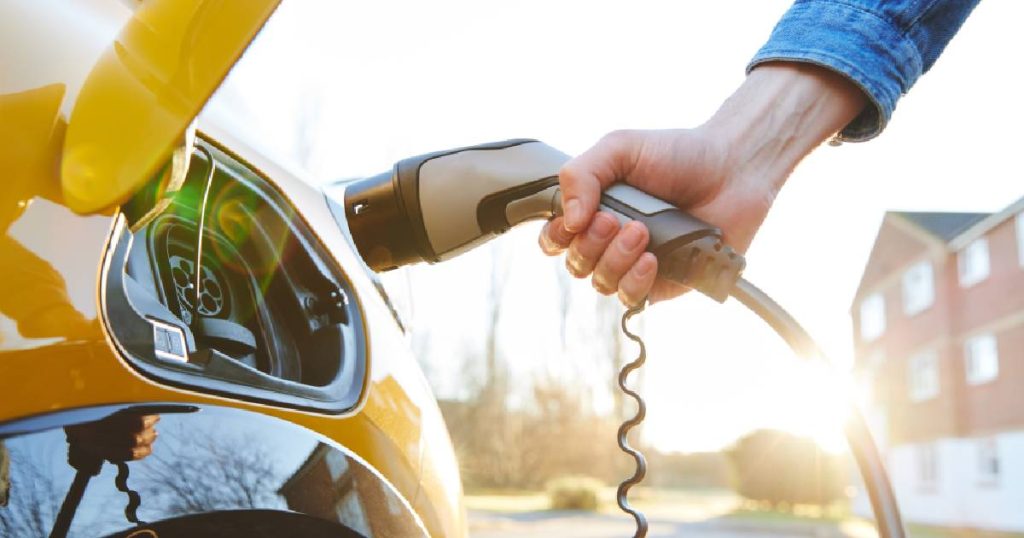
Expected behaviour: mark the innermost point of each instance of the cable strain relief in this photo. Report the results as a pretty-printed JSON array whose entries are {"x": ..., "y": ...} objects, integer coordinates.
[{"x": 707, "y": 265}]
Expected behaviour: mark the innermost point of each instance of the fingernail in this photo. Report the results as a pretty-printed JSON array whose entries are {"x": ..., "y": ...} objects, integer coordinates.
[
  {"x": 602, "y": 228},
  {"x": 630, "y": 240},
  {"x": 572, "y": 264},
  {"x": 544, "y": 241},
  {"x": 573, "y": 215}
]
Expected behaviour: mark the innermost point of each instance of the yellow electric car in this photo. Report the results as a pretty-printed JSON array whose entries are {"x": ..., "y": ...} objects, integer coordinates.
[{"x": 155, "y": 267}]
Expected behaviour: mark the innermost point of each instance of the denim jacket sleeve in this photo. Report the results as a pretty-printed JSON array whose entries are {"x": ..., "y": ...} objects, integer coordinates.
[{"x": 883, "y": 46}]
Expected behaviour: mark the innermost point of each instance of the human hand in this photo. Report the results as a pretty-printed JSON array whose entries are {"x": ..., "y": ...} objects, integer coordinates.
[
  {"x": 726, "y": 172},
  {"x": 119, "y": 437}
]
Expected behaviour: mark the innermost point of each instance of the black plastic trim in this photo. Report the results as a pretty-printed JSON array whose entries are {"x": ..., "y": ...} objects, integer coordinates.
[
  {"x": 381, "y": 224},
  {"x": 212, "y": 372},
  {"x": 491, "y": 213}
]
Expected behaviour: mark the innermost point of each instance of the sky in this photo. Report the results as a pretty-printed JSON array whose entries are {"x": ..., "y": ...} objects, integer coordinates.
[{"x": 344, "y": 89}]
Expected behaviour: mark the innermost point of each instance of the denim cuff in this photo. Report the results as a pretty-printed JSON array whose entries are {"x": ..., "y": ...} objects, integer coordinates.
[{"x": 864, "y": 47}]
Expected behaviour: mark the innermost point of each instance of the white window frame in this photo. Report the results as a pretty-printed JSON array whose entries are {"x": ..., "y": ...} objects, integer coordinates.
[
  {"x": 989, "y": 464},
  {"x": 981, "y": 359},
  {"x": 918, "y": 286},
  {"x": 923, "y": 376},
  {"x": 1019, "y": 221},
  {"x": 872, "y": 316},
  {"x": 973, "y": 262}
]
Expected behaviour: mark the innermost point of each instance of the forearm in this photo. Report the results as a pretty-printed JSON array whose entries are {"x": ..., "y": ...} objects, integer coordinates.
[{"x": 779, "y": 114}]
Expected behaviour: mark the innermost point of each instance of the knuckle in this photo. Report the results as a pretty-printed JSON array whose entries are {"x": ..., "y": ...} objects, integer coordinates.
[
  {"x": 569, "y": 174},
  {"x": 616, "y": 137},
  {"x": 629, "y": 287},
  {"x": 562, "y": 236},
  {"x": 603, "y": 227},
  {"x": 631, "y": 241},
  {"x": 615, "y": 262},
  {"x": 583, "y": 244},
  {"x": 641, "y": 230}
]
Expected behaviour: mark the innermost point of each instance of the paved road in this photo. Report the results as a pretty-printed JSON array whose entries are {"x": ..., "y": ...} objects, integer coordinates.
[{"x": 487, "y": 524}]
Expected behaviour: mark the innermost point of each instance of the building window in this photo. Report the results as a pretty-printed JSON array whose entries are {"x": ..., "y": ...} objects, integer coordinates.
[
  {"x": 918, "y": 288},
  {"x": 337, "y": 464},
  {"x": 973, "y": 262},
  {"x": 988, "y": 461},
  {"x": 350, "y": 510},
  {"x": 1020, "y": 238},
  {"x": 982, "y": 359},
  {"x": 927, "y": 465},
  {"x": 872, "y": 317},
  {"x": 924, "y": 376}
]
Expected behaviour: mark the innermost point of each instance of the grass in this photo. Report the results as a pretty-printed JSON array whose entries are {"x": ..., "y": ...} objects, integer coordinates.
[
  {"x": 837, "y": 516},
  {"x": 837, "y": 512},
  {"x": 925, "y": 531}
]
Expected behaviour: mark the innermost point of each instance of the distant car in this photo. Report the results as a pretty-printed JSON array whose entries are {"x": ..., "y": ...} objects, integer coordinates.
[{"x": 155, "y": 266}]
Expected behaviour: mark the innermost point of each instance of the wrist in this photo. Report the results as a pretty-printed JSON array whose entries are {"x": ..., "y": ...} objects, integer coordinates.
[{"x": 780, "y": 113}]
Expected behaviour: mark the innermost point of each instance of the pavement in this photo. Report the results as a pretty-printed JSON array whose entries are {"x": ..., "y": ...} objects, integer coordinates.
[
  {"x": 571, "y": 524},
  {"x": 702, "y": 516}
]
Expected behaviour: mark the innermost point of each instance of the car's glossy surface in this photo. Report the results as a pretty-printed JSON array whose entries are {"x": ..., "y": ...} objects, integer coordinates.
[
  {"x": 58, "y": 350},
  {"x": 216, "y": 471}
]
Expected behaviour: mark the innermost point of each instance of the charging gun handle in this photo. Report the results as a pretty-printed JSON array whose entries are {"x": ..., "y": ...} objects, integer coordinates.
[{"x": 433, "y": 207}]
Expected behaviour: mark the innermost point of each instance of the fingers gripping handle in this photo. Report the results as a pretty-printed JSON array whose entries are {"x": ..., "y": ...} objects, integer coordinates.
[
  {"x": 689, "y": 251},
  {"x": 436, "y": 206}
]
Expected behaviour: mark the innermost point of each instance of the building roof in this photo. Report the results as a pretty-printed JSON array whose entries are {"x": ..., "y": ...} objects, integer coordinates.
[
  {"x": 954, "y": 230},
  {"x": 945, "y": 226}
]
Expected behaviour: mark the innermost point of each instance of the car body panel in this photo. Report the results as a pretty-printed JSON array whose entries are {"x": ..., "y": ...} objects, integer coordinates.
[
  {"x": 146, "y": 89},
  {"x": 56, "y": 352}
]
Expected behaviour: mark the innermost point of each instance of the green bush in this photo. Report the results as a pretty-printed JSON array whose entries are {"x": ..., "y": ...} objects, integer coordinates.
[
  {"x": 574, "y": 493},
  {"x": 781, "y": 470}
]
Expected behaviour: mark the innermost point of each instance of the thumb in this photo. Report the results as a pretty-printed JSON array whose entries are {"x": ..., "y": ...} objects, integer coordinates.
[{"x": 582, "y": 179}]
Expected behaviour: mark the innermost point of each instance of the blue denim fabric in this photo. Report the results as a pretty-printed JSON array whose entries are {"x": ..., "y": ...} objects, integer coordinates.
[{"x": 883, "y": 46}]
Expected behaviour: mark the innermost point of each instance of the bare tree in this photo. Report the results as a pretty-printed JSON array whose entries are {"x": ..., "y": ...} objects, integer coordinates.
[
  {"x": 34, "y": 501},
  {"x": 564, "y": 283},
  {"x": 495, "y": 294},
  {"x": 611, "y": 344},
  {"x": 213, "y": 471}
]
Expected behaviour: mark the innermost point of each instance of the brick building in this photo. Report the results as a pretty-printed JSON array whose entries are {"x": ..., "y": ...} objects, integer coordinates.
[
  {"x": 939, "y": 340},
  {"x": 334, "y": 486}
]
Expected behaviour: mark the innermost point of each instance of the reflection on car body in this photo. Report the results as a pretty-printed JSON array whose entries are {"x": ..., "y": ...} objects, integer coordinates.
[{"x": 212, "y": 469}]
